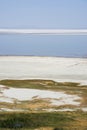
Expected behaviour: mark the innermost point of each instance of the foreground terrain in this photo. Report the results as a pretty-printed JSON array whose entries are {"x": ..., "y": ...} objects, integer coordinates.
[
  {"x": 27, "y": 102},
  {"x": 44, "y": 121},
  {"x": 49, "y": 106}
]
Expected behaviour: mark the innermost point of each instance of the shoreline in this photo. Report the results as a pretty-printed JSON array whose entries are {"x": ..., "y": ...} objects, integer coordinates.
[{"x": 71, "y": 57}]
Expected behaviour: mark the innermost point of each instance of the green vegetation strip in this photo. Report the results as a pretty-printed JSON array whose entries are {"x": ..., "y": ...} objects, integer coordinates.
[
  {"x": 68, "y": 87},
  {"x": 42, "y": 84},
  {"x": 61, "y": 120}
]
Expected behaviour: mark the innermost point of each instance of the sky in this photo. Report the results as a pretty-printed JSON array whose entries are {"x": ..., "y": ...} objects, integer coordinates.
[{"x": 43, "y": 14}]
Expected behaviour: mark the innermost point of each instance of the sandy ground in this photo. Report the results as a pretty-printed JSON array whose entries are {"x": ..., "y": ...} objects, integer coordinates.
[{"x": 54, "y": 68}]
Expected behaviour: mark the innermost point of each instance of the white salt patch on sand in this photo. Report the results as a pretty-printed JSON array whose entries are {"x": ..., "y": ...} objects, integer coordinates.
[
  {"x": 84, "y": 109},
  {"x": 68, "y": 100},
  {"x": 28, "y": 94},
  {"x": 2, "y": 97},
  {"x": 55, "y": 110},
  {"x": 56, "y": 98},
  {"x": 5, "y": 99},
  {"x": 2, "y": 86},
  {"x": 7, "y": 109},
  {"x": 66, "y": 109}
]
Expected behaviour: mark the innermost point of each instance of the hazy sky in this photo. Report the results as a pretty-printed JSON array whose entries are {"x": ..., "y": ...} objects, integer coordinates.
[{"x": 43, "y": 14}]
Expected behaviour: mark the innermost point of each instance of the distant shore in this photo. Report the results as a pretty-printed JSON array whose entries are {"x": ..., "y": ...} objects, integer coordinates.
[{"x": 43, "y": 56}]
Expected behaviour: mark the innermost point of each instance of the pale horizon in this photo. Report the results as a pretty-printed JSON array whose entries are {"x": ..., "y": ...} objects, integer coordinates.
[{"x": 45, "y": 31}]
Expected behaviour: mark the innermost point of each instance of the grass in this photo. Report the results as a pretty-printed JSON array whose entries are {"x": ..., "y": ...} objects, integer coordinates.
[
  {"x": 37, "y": 84},
  {"x": 61, "y": 120}
]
